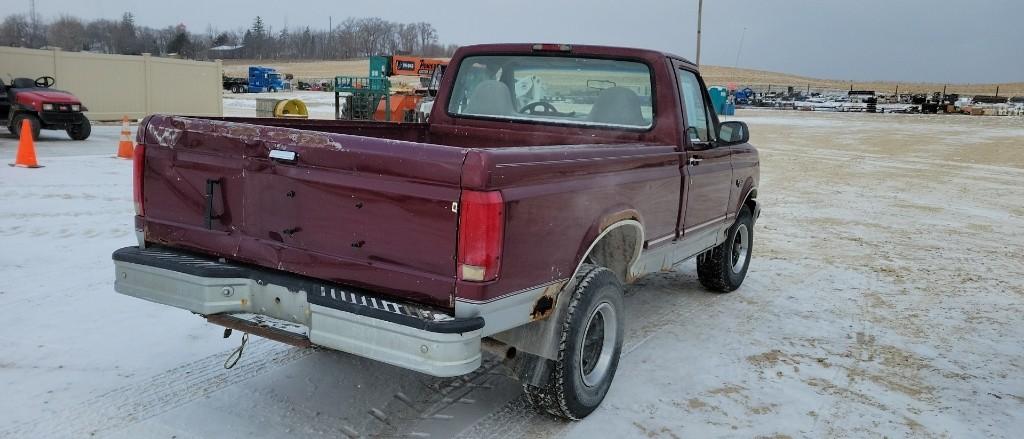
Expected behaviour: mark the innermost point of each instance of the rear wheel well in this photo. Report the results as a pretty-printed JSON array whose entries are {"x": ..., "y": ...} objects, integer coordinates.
[
  {"x": 751, "y": 200},
  {"x": 617, "y": 248}
]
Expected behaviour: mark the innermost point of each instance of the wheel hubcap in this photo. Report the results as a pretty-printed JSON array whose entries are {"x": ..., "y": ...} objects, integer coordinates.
[
  {"x": 598, "y": 344},
  {"x": 740, "y": 245}
]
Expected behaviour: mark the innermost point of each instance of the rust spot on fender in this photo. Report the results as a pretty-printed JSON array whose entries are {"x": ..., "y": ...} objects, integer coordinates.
[{"x": 545, "y": 304}]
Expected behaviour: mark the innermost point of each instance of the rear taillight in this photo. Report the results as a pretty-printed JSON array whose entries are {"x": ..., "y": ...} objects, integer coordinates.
[
  {"x": 481, "y": 230},
  {"x": 138, "y": 163}
]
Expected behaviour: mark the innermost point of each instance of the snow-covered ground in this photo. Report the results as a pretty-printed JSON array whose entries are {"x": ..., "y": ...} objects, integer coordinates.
[
  {"x": 319, "y": 103},
  {"x": 885, "y": 298}
]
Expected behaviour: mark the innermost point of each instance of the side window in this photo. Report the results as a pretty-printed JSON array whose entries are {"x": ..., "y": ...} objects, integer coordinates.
[{"x": 696, "y": 109}]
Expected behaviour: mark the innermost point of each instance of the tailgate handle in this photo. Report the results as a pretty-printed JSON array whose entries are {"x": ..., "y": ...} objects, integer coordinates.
[
  {"x": 283, "y": 156},
  {"x": 210, "y": 184}
]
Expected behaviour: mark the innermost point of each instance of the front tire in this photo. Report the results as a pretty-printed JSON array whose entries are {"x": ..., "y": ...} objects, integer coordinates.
[
  {"x": 80, "y": 131},
  {"x": 589, "y": 349},
  {"x": 33, "y": 121},
  {"x": 724, "y": 267}
]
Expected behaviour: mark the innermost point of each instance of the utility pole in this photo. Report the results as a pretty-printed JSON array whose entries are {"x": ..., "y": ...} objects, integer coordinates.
[
  {"x": 740, "y": 49},
  {"x": 34, "y": 23},
  {"x": 700, "y": 10}
]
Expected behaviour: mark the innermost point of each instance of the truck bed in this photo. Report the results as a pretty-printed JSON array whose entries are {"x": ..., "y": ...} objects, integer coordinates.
[{"x": 346, "y": 209}]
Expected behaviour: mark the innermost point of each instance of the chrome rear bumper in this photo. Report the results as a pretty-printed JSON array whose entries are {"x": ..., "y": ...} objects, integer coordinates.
[{"x": 338, "y": 317}]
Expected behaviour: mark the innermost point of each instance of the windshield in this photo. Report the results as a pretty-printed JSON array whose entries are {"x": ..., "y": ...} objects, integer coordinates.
[{"x": 566, "y": 90}]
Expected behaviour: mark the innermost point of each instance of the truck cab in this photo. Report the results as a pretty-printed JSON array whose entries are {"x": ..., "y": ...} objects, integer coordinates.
[{"x": 266, "y": 79}]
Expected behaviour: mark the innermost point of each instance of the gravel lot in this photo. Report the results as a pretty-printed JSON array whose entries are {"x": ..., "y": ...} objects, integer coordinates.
[{"x": 884, "y": 299}]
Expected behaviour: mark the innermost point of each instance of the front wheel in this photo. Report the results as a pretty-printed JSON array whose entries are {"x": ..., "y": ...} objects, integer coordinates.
[
  {"x": 724, "y": 267},
  {"x": 33, "y": 123},
  {"x": 588, "y": 352},
  {"x": 80, "y": 131}
]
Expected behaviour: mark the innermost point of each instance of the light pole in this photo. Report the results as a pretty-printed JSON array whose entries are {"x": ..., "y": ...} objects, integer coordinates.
[{"x": 700, "y": 11}]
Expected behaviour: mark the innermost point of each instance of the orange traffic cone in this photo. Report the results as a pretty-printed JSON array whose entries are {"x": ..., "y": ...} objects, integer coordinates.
[
  {"x": 124, "y": 147},
  {"x": 26, "y": 157}
]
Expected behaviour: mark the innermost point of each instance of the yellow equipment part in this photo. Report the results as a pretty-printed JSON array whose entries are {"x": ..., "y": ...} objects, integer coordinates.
[{"x": 291, "y": 108}]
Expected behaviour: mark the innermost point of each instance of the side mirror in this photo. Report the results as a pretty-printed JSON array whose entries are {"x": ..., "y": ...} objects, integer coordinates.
[{"x": 733, "y": 132}]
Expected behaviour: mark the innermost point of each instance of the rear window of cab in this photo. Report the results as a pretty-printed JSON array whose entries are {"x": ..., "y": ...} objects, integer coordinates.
[{"x": 554, "y": 89}]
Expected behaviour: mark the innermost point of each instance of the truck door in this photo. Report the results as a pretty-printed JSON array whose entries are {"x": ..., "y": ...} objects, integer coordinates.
[{"x": 707, "y": 167}]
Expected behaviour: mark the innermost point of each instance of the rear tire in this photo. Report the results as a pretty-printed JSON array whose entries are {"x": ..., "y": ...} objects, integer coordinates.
[
  {"x": 34, "y": 121},
  {"x": 80, "y": 131},
  {"x": 588, "y": 353},
  {"x": 724, "y": 267}
]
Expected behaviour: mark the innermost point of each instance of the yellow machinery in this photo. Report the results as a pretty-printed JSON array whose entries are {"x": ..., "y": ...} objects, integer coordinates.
[
  {"x": 283, "y": 108},
  {"x": 293, "y": 108}
]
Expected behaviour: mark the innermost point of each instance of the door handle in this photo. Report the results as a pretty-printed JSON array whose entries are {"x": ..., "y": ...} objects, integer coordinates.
[{"x": 694, "y": 161}]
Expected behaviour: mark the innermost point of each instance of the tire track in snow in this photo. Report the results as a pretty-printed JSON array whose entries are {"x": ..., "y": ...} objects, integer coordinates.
[
  {"x": 135, "y": 402},
  {"x": 440, "y": 409},
  {"x": 652, "y": 304},
  {"x": 68, "y": 233}
]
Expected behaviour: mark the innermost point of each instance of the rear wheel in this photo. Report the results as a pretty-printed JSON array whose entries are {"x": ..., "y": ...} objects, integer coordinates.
[
  {"x": 588, "y": 353},
  {"x": 80, "y": 131},
  {"x": 724, "y": 267},
  {"x": 33, "y": 121}
]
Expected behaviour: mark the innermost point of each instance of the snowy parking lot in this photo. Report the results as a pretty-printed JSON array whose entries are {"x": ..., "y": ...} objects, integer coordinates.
[{"x": 885, "y": 299}]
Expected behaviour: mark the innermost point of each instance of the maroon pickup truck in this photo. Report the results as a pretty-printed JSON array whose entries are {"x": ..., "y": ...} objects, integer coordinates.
[{"x": 546, "y": 178}]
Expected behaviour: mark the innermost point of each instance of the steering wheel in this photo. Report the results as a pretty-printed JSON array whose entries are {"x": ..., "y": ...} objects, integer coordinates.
[
  {"x": 531, "y": 108},
  {"x": 45, "y": 81}
]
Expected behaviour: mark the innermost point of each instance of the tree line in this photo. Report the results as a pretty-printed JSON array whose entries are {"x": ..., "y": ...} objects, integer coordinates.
[{"x": 351, "y": 38}]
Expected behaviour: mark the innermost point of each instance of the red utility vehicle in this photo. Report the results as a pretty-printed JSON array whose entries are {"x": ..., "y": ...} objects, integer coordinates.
[
  {"x": 547, "y": 177},
  {"x": 44, "y": 107}
]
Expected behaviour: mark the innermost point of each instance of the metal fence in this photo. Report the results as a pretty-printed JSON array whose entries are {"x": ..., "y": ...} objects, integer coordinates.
[{"x": 113, "y": 86}]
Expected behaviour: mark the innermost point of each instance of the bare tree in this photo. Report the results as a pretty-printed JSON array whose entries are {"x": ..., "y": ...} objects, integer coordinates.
[
  {"x": 352, "y": 37},
  {"x": 427, "y": 35},
  {"x": 14, "y": 31},
  {"x": 68, "y": 33}
]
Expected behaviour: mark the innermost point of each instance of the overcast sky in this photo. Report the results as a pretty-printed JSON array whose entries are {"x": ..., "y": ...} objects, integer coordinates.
[{"x": 903, "y": 40}]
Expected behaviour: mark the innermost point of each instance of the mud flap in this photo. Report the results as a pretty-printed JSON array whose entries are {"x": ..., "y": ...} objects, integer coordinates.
[{"x": 536, "y": 343}]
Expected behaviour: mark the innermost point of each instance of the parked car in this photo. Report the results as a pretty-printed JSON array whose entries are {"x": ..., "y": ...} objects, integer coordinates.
[
  {"x": 44, "y": 107},
  {"x": 503, "y": 223}
]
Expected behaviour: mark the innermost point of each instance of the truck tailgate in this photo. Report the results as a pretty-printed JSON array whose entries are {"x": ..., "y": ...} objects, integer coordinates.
[{"x": 370, "y": 212}]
